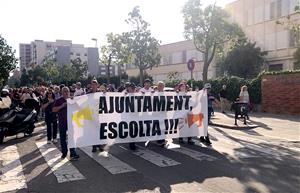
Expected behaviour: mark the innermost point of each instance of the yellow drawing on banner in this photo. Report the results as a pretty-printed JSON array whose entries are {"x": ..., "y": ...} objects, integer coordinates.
[{"x": 83, "y": 114}]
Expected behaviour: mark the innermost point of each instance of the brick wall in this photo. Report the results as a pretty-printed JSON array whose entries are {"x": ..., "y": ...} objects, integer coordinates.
[{"x": 281, "y": 93}]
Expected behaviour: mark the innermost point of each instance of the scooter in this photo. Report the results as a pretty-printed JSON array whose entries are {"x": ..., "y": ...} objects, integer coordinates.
[{"x": 17, "y": 120}]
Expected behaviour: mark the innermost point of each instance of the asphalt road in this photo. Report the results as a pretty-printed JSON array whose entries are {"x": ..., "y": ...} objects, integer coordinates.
[{"x": 238, "y": 161}]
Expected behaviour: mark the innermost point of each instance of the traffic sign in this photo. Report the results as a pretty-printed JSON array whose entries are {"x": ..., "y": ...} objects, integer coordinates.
[{"x": 191, "y": 64}]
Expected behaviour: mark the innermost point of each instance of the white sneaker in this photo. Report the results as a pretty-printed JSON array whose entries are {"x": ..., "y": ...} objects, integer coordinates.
[
  {"x": 48, "y": 142},
  {"x": 172, "y": 146},
  {"x": 54, "y": 140},
  {"x": 104, "y": 154}
]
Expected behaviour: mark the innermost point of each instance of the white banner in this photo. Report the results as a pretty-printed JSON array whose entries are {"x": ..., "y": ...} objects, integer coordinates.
[{"x": 107, "y": 118}]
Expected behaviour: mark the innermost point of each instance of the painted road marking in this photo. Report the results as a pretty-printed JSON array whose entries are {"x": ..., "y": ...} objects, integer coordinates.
[
  {"x": 11, "y": 170},
  {"x": 194, "y": 154},
  {"x": 110, "y": 163},
  {"x": 154, "y": 157},
  {"x": 62, "y": 169}
]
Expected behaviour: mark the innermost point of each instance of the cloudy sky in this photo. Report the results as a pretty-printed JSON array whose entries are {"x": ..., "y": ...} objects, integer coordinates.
[{"x": 22, "y": 21}]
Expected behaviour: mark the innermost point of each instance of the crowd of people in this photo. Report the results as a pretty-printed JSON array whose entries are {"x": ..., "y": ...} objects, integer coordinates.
[{"x": 52, "y": 107}]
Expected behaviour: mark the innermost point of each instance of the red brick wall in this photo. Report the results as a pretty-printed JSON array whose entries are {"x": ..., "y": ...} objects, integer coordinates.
[{"x": 281, "y": 93}]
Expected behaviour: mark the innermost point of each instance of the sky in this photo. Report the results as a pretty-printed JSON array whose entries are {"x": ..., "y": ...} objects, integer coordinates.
[{"x": 23, "y": 21}]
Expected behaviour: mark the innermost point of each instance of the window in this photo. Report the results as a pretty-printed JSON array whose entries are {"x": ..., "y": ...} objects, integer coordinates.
[
  {"x": 184, "y": 59},
  {"x": 250, "y": 17},
  {"x": 279, "y": 5},
  {"x": 77, "y": 54},
  {"x": 71, "y": 53},
  {"x": 292, "y": 38},
  {"x": 85, "y": 54},
  {"x": 272, "y": 10},
  {"x": 282, "y": 39},
  {"x": 165, "y": 59},
  {"x": 275, "y": 67},
  {"x": 258, "y": 14},
  {"x": 270, "y": 41},
  {"x": 177, "y": 57},
  {"x": 170, "y": 59}
]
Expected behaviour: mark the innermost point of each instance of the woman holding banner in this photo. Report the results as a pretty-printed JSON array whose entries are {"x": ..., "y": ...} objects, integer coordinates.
[
  {"x": 182, "y": 88},
  {"x": 168, "y": 143}
]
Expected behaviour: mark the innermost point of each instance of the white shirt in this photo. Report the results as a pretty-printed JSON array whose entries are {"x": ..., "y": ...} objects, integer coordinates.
[
  {"x": 25, "y": 96},
  {"x": 143, "y": 90},
  {"x": 244, "y": 97},
  {"x": 5, "y": 102},
  {"x": 79, "y": 92}
]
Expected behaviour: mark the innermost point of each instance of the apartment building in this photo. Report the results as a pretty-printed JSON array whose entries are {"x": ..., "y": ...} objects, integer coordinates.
[
  {"x": 61, "y": 51},
  {"x": 258, "y": 19},
  {"x": 174, "y": 59}
]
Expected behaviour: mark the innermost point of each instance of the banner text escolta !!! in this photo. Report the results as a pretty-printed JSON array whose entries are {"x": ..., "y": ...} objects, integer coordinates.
[{"x": 107, "y": 118}]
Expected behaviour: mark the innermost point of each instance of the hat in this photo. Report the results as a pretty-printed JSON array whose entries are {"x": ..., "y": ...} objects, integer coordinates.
[
  {"x": 207, "y": 86},
  {"x": 132, "y": 85},
  {"x": 147, "y": 80},
  {"x": 5, "y": 90},
  {"x": 127, "y": 84}
]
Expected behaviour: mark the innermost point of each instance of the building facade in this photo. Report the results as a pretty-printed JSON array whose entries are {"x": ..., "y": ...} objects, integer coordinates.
[
  {"x": 61, "y": 51},
  {"x": 174, "y": 60},
  {"x": 259, "y": 20},
  {"x": 114, "y": 70}
]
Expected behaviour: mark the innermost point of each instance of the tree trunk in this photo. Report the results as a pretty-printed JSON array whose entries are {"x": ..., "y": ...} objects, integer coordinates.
[
  {"x": 108, "y": 70},
  {"x": 141, "y": 76},
  {"x": 205, "y": 70},
  {"x": 108, "y": 74}
]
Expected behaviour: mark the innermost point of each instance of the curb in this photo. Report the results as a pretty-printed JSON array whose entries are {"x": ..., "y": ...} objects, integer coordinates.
[{"x": 234, "y": 126}]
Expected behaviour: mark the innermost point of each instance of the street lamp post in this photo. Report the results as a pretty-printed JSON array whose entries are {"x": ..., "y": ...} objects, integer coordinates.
[{"x": 95, "y": 39}]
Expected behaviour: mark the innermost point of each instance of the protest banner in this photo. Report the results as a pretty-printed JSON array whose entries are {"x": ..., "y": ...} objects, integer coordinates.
[{"x": 107, "y": 118}]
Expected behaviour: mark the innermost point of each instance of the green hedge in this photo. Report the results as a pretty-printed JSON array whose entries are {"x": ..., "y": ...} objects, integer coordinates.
[{"x": 233, "y": 84}]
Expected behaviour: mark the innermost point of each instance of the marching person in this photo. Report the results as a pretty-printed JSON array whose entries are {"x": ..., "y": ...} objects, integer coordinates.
[
  {"x": 244, "y": 98},
  {"x": 60, "y": 107},
  {"x": 167, "y": 143},
  {"x": 94, "y": 89},
  {"x": 50, "y": 116},
  {"x": 130, "y": 88},
  {"x": 78, "y": 90},
  {"x": 182, "y": 88},
  {"x": 147, "y": 87},
  {"x": 210, "y": 100},
  {"x": 57, "y": 93}
]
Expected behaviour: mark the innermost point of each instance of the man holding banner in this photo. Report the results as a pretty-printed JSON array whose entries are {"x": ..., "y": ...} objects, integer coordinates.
[{"x": 60, "y": 107}]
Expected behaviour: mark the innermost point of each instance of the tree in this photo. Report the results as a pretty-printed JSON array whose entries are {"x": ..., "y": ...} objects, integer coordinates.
[
  {"x": 67, "y": 74},
  {"x": 53, "y": 71},
  {"x": 244, "y": 60},
  {"x": 114, "y": 53},
  {"x": 80, "y": 68},
  {"x": 13, "y": 82},
  {"x": 140, "y": 44},
  {"x": 209, "y": 30},
  {"x": 7, "y": 60}
]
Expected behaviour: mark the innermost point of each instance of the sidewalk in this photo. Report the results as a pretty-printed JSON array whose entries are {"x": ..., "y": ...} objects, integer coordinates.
[
  {"x": 265, "y": 120},
  {"x": 285, "y": 126}
]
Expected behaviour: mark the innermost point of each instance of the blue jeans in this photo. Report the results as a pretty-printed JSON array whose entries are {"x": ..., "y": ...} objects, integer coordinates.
[{"x": 63, "y": 142}]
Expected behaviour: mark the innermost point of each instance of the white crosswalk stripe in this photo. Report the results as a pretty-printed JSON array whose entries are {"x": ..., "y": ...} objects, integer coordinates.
[
  {"x": 154, "y": 157},
  {"x": 194, "y": 154},
  {"x": 110, "y": 163},
  {"x": 11, "y": 170},
  {"x": 249, "y": 145},
  {"x": 62, "y": 169}
]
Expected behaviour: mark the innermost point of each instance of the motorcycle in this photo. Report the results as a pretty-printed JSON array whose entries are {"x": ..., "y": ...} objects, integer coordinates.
[{"x": 18, "y": 120}]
